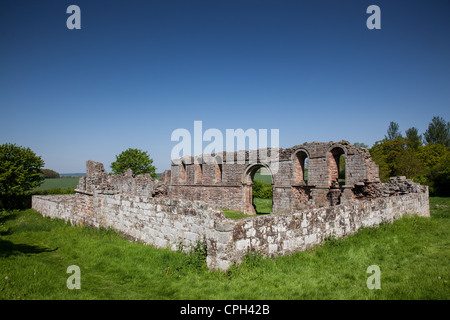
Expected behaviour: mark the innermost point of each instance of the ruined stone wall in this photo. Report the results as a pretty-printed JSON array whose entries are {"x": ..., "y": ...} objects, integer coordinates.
[
  {"x": 221, "y": 187},
  {"x": 284, "y": 233},
  {"x": 220, "y": 197},
  {"x": 162, "y": 223},
  {"x": 166, "y": 213},
  {"x": 55, "y": 206},
  {"x": 98, "y": 180},
  {"x": 167, "y": 223},
  {"x": 194, "y": 179}
]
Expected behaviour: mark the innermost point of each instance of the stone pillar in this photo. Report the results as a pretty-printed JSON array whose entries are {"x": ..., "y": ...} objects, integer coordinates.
[
  {"x": 220, "y": 247},
  {"x": 248, "y": 199},
  {"x": 347, "y": 196},
  {"x": 319, "y": 196}
]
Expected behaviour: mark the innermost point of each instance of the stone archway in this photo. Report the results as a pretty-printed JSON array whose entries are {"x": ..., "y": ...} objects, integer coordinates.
[
  {"x": 247, "y": 183},
  {"x": 300, "y": 160},
  {"x": 336, "y": 158}
]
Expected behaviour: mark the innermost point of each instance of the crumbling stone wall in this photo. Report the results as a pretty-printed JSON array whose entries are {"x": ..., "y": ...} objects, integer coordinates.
[
  {"x": 313, "y": 203},
  {"x": 284, "y": 233},
  {"x": 167, "y": 223},
  {"x": 98, "y": 180},
  {"x": 229, "y": 187}
]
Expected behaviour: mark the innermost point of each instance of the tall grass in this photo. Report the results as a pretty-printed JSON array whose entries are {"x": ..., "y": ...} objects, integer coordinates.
[{"x": 413, "y": 254}]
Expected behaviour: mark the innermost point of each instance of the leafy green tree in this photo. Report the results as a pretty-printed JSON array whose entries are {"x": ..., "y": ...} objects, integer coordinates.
[
  {"x": 361, "y": 145},
  {"x": 49, "y": 174},
  {"x": 20, "y": 169},
  {"x": 439, "y": 178},
  {"x": 393, "y": 131},
  {"x": 409, "y": 164},
  {"x": 427, "y": 164},
  {"x": 436, "y": 173},
  {"x": 414, "y": 139},
  {"x": 432, "y": 155},
  {"x": 438, "y": 132},
  {"x": 137, "y": 160},
  {"x": 387, "y": 154}
]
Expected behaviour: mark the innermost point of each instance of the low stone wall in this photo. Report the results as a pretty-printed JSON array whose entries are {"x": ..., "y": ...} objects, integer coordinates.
[
  {"x": 284, "y": 233},
  {"x": 163, "y": 223},
  {"x": 167, "y": 223},
  {"x": 55, "y": 206}
]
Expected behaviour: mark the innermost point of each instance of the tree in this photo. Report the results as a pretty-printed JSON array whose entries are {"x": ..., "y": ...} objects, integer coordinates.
[
  {"x": 432, "y": 155},
  {"x": 409, "y": 164},
  {"x": 20, "y": 169},
  {"x": 387, "y": 155},
  {"x": 438, "y": 132},
  {"x": 137, "y": 160},
  {"x": 414, "y": 139},
  {"x": 49, "y": 174},
  {"x": 393, "y": 131},
  {"x": 361, "y": 145},
  {"x": 427, "y": 164},
  {"x": 436, "y": 163}
]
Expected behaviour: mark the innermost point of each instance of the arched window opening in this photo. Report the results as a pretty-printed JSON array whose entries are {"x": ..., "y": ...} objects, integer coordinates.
[
  {"x": 198, "y": 174},
  {"x": 300, "y": 168},
  {"x": 262, "y": 197},
  {"x": 258, "y": 190},
  {"x": 336, "y": 166},
  {"x": 341, "y": 178}
]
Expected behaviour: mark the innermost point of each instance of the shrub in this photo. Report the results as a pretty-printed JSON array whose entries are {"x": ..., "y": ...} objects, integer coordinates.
[
  {"x": 262, "y": 190},
  {"x": 23, "y": 201},
  {"x": 20, "y": 169}
]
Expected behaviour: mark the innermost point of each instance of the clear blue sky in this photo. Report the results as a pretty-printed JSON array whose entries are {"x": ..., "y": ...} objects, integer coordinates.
[{"x": 137, "y": 70}]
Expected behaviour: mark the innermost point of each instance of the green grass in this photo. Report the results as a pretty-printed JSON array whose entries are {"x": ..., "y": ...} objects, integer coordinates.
[
  {"x": 263, "y": 207},
  {"x": 235, "y": 215},
  {"x": 413, "y": 254},
  {"x": 59, "y": 183},
  {"x": 263, "y": 202}
]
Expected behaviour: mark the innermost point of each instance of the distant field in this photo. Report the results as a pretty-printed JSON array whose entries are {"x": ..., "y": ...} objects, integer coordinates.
[
  {"x": 263, "y": 177},
  {"x": 60, "y": 183}
]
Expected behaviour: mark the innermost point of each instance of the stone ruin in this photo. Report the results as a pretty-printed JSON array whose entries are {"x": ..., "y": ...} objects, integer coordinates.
[
  {"x": 226, "y": 183},
  {"x": 310, "y": 202}
]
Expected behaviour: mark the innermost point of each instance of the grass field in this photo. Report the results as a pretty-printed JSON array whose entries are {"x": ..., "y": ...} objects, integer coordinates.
[
  {"x": 59, "y": 183},
  {"x": 413, "y": 254},
  {"x": 262, "y": 177}
]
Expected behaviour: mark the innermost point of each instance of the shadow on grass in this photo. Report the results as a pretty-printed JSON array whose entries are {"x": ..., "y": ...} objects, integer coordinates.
[
  {"x": 8, "y": 248},
  {"x": 5, "y": 216},
  {"x": 8, "y": 215}
]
